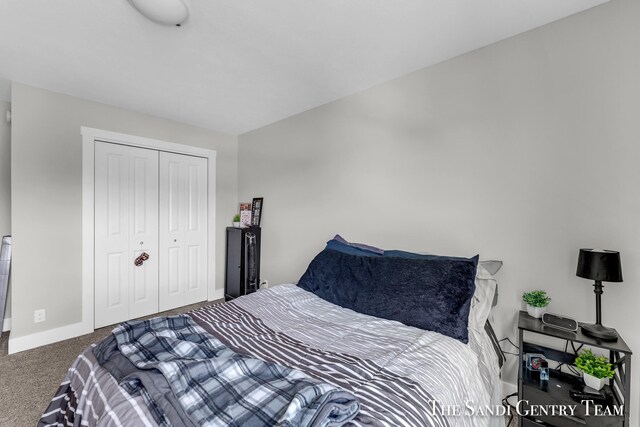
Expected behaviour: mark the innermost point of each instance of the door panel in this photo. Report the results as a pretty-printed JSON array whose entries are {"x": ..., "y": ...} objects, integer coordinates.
[
  {"x": 174, "y": 196},
  {"x": 141, "y": 191},
  {"x": 173, "y": 271},
  {"x": 143, "y": 236},
  {"x": 116, "y": 183},
  {"x": 193, "y": 198},
  {"x": 195, "y": 239},
  {"x": 193, "y": 261},
  {"x": 126, "y": 218},
  {"x": 115, "y": 282},
  {"x": 171, "y": 285},
  {"x": 111, "y": 230},
  {"x": 183, "y": 231}
]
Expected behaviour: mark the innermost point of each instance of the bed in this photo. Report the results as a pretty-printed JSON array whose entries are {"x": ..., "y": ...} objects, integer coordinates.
[{"x": 399, "y": 375}]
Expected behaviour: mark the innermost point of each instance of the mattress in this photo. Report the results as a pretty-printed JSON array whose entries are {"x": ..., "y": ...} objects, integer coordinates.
[{"x": 401, "y": 375}]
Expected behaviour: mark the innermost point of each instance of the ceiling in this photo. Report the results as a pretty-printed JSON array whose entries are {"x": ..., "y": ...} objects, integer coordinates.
[{"x": 237, "y": 65}]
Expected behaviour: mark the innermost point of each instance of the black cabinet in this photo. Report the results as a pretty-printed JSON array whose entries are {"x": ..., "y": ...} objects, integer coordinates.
[
  {"x": 242, "y": 275},
  {"x": 557, "y": 391}
]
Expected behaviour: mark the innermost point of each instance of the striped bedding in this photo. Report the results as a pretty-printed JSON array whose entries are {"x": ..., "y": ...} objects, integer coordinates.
[{"x": 402, "y": 376}]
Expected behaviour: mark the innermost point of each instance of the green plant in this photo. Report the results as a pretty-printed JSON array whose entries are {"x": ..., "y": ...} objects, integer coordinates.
[
  {"x": 236, "y": 218},
  {"x": 536, "y": 298},
  {"x": 598, "y": 366}
]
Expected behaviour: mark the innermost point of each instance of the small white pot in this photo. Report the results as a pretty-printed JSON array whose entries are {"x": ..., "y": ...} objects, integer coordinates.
[
  {"x": 536, "y": 312},
  {"x": 593, "y": 382},
  {"x": 236, "y": 224}
]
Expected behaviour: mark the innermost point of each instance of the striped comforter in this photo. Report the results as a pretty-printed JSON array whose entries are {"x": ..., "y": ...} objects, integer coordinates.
[{"x": 401, "y": 376}]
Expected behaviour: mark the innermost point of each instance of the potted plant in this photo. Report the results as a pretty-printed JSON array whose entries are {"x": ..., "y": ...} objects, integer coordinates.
[
  {"x": 236, "y": 220},
  {"x": 537, "y": 302},
  {"x": 595, "y": 369}
]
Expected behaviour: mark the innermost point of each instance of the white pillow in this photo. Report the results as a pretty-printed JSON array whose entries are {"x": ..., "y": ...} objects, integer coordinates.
[
  {"x": 482, "y": 300},
  {"x": 492, "y": 266}
]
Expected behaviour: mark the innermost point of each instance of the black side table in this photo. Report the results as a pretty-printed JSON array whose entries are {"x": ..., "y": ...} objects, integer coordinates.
[{"x": 560, "y": 383}]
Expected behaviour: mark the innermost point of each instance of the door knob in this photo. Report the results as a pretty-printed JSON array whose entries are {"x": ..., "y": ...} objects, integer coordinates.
[{"x": 141, "y": 259}]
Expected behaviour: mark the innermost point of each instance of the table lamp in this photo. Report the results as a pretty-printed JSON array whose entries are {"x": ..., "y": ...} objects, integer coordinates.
[{"x": 600, "y": 265}]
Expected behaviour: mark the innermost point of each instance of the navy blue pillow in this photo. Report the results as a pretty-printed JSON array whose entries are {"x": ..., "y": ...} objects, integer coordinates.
[
  {"x": 345, "y": 248},
  {"x": 413, "y": 255},
  {"x": 431, "y": 294}
]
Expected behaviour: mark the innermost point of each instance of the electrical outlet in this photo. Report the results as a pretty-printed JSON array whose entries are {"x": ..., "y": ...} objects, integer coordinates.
[{"x": 39, "y": 316}]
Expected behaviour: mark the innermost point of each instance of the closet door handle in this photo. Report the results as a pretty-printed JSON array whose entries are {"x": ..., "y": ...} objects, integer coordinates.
[{"x": 141, "y": 259}]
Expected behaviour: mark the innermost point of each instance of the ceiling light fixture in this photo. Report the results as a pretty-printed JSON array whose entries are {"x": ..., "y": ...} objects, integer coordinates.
[{"x": 165, "y": 12}]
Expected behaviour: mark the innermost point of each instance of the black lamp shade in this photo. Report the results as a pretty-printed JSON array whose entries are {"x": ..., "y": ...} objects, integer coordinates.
[{"x": 599, "y": 264}]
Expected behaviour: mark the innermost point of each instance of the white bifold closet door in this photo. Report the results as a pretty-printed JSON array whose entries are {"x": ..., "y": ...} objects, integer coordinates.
[
  {"x": 126, "y": 224},
  {"x": 155, "y": 202},
  {"x": 183, "y": 230}
]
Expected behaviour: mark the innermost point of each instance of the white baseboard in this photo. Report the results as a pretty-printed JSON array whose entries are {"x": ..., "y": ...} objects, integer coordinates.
[
  {"x": 6, "y": 325},
  {"x": 62, "y": 333},
  {"x": 217, "y": 294},
  {"x": 38, "y": 339}
]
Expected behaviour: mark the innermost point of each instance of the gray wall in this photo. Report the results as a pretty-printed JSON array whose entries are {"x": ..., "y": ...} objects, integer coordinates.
[
  {"x": 46, "y": 184},
  {"x": 5, "y": 181},
  {"x": 524, "y": 151}
]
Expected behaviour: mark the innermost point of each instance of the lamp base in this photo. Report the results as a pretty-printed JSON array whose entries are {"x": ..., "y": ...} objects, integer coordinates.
[{"x": 600, "y": 332}]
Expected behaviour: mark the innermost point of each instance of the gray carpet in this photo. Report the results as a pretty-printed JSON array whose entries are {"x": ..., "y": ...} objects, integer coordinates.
[{"x": 29, "y": 379}]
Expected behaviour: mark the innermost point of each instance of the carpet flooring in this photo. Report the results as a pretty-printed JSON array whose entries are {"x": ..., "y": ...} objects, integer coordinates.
[{"x": 29, "y": 379}]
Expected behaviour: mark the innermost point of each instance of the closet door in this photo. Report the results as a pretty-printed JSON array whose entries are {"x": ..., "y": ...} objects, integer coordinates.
[
  {"x": 126, "y": 224},
  {"x": 183, "y": 230}
]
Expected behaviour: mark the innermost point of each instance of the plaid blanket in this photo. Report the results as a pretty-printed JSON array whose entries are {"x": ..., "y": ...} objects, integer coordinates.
[{"x": 218, "y": 387}]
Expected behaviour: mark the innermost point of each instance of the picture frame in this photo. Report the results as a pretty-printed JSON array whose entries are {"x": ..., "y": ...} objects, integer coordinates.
[
  {"x": 256, "y": 211},
  {"x": 534, "y": 361},
  {"x": 245, "y": 214}
]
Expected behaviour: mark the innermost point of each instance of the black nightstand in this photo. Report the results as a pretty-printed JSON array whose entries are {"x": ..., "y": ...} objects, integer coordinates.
[{"x": 560, "y": 383}]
